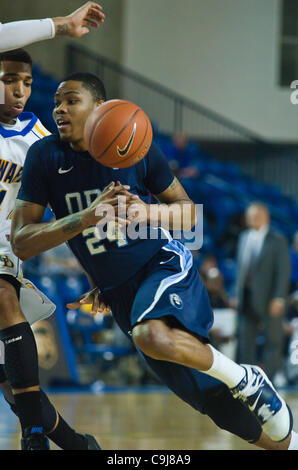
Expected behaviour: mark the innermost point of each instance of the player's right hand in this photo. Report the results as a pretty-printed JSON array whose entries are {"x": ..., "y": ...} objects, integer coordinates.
[
  {"x": 109, "y": 206},
  {"x": 92, "y": 297}
]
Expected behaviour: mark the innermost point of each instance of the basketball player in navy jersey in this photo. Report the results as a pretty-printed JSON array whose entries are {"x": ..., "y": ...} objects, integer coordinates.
[{"x": 155, "y": 293}]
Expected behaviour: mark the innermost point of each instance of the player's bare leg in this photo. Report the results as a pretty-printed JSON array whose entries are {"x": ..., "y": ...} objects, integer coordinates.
[{"x": 156, "y": 339}]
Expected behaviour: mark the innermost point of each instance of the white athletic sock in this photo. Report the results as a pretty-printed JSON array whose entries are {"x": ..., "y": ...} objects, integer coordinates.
[
  {"x": 225, "y": 369},
  {"x": 294, "y": 441}
]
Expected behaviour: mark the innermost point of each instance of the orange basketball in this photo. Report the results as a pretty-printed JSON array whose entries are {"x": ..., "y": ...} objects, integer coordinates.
[{"x": 118, "y": 134}]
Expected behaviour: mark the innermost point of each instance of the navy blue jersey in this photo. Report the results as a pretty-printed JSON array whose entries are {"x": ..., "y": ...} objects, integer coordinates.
[{"x": 69, "y": 181}]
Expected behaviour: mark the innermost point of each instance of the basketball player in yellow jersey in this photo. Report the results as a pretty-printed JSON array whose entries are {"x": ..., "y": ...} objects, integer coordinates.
[
  {"x": 22, "y": 33},
  {"x": 20, "y": 305}
]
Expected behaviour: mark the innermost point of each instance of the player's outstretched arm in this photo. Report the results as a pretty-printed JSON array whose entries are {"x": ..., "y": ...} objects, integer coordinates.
[
  {"x": 22, "y": 33},
  {"x": 77, "y": 23}
]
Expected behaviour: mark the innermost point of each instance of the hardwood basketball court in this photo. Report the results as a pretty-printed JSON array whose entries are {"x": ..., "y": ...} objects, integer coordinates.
[{"x": 137, "y": 420}]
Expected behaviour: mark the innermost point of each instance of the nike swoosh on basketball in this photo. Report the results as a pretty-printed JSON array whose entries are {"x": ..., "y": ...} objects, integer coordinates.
[
  {"x": 125, "y": 150},
  {"x": 61, "y": 171}
]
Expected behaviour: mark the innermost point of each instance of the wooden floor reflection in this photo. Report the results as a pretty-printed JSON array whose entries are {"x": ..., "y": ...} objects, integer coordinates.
[{"x": 138, "y": 421}]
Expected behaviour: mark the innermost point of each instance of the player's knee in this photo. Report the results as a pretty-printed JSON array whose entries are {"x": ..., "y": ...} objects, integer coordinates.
[{"x": 154, "y": 339}]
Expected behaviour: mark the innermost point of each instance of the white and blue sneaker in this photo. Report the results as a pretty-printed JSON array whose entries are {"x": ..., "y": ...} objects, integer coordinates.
[{"x": 257, "y": 392}]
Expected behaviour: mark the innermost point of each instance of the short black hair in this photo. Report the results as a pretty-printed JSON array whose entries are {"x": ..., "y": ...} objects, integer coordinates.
[
  {"x": 91, "y": 82},
  {"x": 17, "y": 55}
]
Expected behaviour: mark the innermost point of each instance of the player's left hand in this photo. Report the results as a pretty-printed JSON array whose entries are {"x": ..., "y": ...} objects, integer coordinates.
[
  {"x": 92, "y": 297},
  {"x": 77, "y": 23}
]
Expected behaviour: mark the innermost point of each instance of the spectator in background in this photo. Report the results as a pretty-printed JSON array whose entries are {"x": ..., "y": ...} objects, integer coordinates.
[
  {"x": 215, "y": 287},
  {"x": 219, "y": 300},
  {"x": 262, "y": 288},
  {"x": 181, "y": 155},
  {"x": 294, "y": 263},
  {"x": 208, "y": 263}
]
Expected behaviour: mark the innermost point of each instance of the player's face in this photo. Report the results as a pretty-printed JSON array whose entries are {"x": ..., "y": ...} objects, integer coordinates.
[
  {"x": 17, "y": 79},
  {"x": 73, "y": 104}
]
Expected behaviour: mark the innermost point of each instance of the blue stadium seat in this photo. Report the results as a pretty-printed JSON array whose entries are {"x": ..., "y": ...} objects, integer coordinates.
[
  {"x": 48, "y": 286},
  {"x": 86, "y": 326},
  {"x": 228, "y": 270},
  {"x": 70, "y": 288}
]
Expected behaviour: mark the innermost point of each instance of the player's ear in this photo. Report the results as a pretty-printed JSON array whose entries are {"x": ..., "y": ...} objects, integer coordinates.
[{"x": 98, "y": 103}]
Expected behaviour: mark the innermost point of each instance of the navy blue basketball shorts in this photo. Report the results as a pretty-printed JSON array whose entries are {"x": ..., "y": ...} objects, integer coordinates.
[{"x": 169, "y": 286}]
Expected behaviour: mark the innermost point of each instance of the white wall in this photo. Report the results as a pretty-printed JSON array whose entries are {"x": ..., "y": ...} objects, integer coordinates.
[{"x": 221, "y": 53}]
